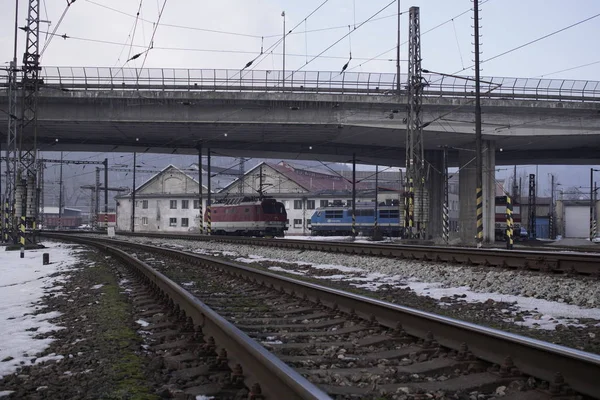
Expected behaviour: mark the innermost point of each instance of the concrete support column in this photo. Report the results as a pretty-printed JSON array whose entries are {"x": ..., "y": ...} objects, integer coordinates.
[
  {"x": 489, "y": 191},
  {"x": 467, "y": 183},
  {"x": 435, "y": 187}
]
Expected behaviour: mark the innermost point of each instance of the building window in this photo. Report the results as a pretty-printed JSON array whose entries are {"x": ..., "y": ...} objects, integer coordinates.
[
  {"x": 173, "y": 204},
  {"x": 297, "y": 223},
  {"x": 349, "y": 203},
  {"x": 308, "y": 222},
  {"x": 144, "y": 220},
  {"x": 297, "y": 204},
  {"x": 185, "y": 204},
  {"x": 185, "y": 222},
  {"x": 286, "y": 204},
  {"x": 145, "y": 204},
  {"x": 196, "y": 204},
  {"x": 172, "y": 221},
  {"x": 310, "y": 204},
  {"x": 323, "y": 203}
]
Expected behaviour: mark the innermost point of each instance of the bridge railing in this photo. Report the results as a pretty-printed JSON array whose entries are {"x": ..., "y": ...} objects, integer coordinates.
[{"x": 359, "y": 83}]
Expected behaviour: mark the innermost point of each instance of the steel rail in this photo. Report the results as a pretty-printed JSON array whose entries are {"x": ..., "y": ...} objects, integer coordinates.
[
  {"x": 276, "y": 378},
  {"x": 533, "y": 357},
  {"x": 544, "y": 261}
]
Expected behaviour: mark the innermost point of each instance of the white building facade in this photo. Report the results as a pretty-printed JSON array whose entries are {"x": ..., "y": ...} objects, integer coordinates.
[{"x": 167, "y": 202}]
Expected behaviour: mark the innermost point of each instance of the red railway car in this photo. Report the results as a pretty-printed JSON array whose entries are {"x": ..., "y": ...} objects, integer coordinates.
[
  {"x": 53, "y": 222},
  {"x": 248, "y": 216}
]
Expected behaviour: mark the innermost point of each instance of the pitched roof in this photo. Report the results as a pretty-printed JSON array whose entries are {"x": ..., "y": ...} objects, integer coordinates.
[{"x": 315, "y": 181}]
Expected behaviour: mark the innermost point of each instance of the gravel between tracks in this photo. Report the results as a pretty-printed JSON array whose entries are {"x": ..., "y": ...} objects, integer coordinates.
[{"x": 559, "y": 309}]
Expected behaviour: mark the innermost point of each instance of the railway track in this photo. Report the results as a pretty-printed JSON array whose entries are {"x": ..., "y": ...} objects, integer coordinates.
[
  {"x": 560, "y": 262},
  {"x": 349, "y": 345}
]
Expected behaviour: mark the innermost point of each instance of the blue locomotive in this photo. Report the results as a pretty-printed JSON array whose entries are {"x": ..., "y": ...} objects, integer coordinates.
[{"x": 336, "y": 220}]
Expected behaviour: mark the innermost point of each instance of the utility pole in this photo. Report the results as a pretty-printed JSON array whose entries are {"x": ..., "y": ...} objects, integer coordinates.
[
  {"x": 478, "y": 144},
  {"x": 133, "y": 193},
  {"x": 398, "y": 79},
  {"x": 415, "y": 160},
  {"x": 106, "y": 191},
  {"x": 354, "y": 195},
  {"x": 283, "y": 76},
  {"x": 208, "y": 200},
  {"x": 592, "y": 205},
  {"x": 552, "y": 208},
  {"x": 241, "y": 172},
  {"x": 96, "y": 199},
  {"x": 60, "y": 192},
  {"x": 515, "y": 188},
  {"x": 532, "y": 207},
  {"x": 12, "y": 150},
  {"x": 200, "y": 213},
  {"x": 376, "y": 221}
]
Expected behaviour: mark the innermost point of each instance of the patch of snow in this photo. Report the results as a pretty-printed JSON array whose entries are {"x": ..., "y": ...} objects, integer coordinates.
[
  {"x": 97, "y": 286},
  {"x": 142, "y": 323},
  {"x": 22, "y": 281},
  {"x": 289, "y": 271},
  {"x": 49, "y": 357},
  {"x": 4, "y": 393}
]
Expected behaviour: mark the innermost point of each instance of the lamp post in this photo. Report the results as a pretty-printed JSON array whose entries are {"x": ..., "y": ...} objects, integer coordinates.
[
  {"x": 592, "y": 203},
  {"x": 283, "y": 77}
]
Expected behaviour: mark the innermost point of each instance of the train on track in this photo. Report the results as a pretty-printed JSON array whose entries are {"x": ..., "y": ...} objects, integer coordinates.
[
  {"x": 248, "y": 216},
  {"x": 336, "y": 220}
]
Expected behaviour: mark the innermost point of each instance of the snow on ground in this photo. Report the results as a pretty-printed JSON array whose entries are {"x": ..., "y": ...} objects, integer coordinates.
[{"x": 23, "y": 282}]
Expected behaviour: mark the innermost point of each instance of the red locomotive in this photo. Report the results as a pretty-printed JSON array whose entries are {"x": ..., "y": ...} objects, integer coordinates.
[{"x": 248, "y": 216}]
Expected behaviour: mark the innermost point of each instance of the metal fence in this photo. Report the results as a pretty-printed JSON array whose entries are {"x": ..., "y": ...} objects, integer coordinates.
[{"x": 361, "y": 83}]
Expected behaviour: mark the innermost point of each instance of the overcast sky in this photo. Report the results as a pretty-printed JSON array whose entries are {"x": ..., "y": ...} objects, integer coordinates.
[
  {"x": 248, "y": 25},
  {"x": 505, "y": 24}
]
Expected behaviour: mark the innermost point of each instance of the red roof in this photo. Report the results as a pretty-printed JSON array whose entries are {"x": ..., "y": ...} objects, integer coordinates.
[{"x": 316, "y": 181}]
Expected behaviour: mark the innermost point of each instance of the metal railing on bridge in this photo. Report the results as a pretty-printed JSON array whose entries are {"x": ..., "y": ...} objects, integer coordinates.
[{"x": 359, "y": 83}]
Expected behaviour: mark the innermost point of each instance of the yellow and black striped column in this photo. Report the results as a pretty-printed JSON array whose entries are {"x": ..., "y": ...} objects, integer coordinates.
[
  {"x": 479, "y": 237},
  {"x": 594, "y": 229},
  {"x": 208, "y": 222},
  {"x": 201, "y": 222},
  {"x": 509, "y": 223},
  {"x": 22, "y": 235},
  {"x": 445, "y": 223},
  {"x": 106, "y": 219}
]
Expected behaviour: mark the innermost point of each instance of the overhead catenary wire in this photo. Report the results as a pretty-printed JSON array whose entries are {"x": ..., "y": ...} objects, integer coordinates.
[
  {"x": 151, "y": 44},
  {"x": 108, "y": 42},
  {"x": 69, "y": 2},
  {"x": 137, "y": 18},
  {"x": 568, "y": 69},
  {"x": 342, "y": 38},
  {"x": 530, "y": 42},
  {"x": 377, "y": 57}
]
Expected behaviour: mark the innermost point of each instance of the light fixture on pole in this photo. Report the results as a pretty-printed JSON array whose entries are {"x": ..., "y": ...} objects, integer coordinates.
[{"x": 283, "y": 77}]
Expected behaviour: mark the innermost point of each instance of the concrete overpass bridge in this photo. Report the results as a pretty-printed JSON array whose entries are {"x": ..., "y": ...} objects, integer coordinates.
[{"x": 316, "y": 115}]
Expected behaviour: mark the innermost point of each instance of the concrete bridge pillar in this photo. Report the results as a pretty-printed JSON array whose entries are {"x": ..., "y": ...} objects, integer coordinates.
[
  {"x": 467, "y": 182},
  {"x": 435, "y": 188}
]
